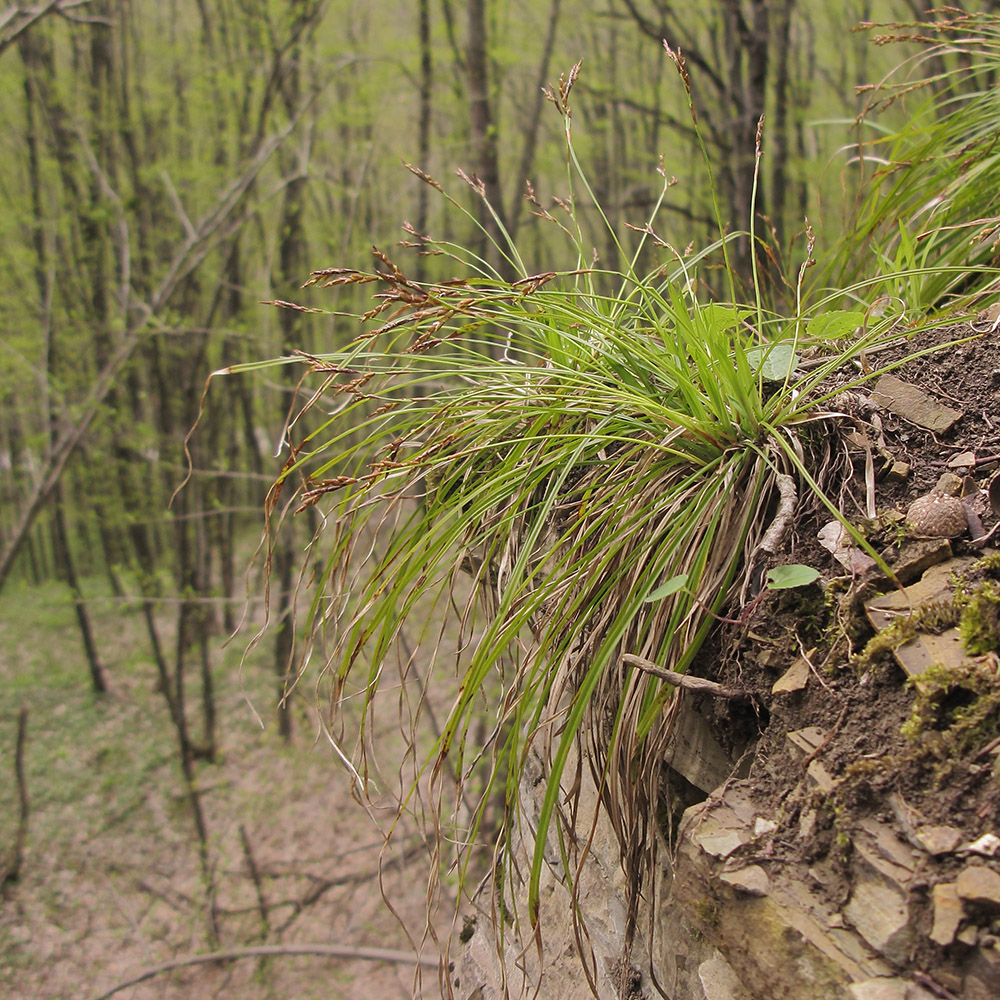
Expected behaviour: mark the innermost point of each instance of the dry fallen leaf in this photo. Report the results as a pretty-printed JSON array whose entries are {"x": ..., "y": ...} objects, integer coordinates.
[{"x": 834, "y": 537}]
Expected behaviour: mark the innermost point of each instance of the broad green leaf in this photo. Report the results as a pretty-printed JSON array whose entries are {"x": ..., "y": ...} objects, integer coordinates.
[
  {"x": 719, "y": 317},
  {"x": 793, "y": 575},
  {"x": 672, "y": 585},
  {"x": 834, "y": 325},
  {"x": 775, "y": 363}
]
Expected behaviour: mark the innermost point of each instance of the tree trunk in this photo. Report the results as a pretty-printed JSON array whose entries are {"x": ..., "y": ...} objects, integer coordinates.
[
  {"x": 778, "y": 135},
  {"x": 424, "y": 121},
  {"x": 535, "y": 117},
  {"x": 292, "y": 266},
  {"x": 746, "y": 99},
  {"x": 35, "y": 64},
  {"x": 493, "y": 245},
  {"x": 66, "y": 559}
]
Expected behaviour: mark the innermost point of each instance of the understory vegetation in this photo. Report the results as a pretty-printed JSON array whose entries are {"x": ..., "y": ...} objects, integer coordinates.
[
  {"x": 512, "y": 474},
  {"x": 587, "y": 468}
]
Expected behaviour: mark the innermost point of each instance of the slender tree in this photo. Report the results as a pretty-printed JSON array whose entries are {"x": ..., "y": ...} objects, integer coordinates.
[{"x": 484, "y": 135}]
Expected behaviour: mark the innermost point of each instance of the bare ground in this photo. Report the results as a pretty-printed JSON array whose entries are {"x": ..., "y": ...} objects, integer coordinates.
[{"x": 112, "y": 884}]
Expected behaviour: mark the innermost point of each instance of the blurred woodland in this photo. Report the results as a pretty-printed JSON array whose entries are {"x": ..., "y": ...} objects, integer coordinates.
[
  {"x": 166, "y": 167},
  {"x": 171, "y": 172}
]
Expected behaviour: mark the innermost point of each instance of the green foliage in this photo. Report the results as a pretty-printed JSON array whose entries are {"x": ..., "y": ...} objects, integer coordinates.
[
  {"x": 775, "y": 363},
  {"x": 790, "y": 576},
  {"x": 836, "y": 324},
  {"x": 581, "y": 473},
  {"x": 923, "y": 218},
  {"x": 672, "y": 586}
]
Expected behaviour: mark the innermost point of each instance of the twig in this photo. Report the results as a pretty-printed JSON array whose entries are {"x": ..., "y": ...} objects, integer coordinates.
[
  {"x": 321, "y": 886},
  {"x": 189, "y": 228},
  {"x": 29, "y": 16},
  {"x": 174, "y": 898},
  {"x": 11, "y": 870},
  {"x": 272, "y": 950},
  {"x": 983, "y": 539},
  {"x": 262, "y": 906},
  {"x": 827, "y": 740},
  {"x": 788, "y": 497},
  {"x": 809, "y": 663},
  {"x": 684, "y": 680},
  {"x": 991, "y": 746}
]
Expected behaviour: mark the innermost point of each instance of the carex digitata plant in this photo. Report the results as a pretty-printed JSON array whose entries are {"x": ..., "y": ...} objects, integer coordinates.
[
  {"x": 925, "y": 227},
  {"x": 571, "y": 467}
]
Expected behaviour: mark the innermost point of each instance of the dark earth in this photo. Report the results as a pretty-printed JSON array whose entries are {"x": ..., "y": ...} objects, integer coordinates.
[{"x": 892, "y": 753}]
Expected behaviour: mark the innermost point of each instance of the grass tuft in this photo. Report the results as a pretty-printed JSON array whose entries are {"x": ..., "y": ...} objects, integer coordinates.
[
  {"x": 923, "y": 222},
  {"x": 580, "y": 464}
]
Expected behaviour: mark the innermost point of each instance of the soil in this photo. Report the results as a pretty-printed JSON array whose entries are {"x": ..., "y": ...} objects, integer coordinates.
[{"x": 935, "y": 774}]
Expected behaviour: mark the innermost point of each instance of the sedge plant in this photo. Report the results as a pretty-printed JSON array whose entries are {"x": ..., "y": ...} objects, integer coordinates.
[
  {"x": 575, "y": 465},
  {"x": 926, "y": 219}
]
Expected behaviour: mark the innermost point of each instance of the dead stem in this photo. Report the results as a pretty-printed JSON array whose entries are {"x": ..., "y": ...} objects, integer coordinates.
[{"x": 684, "y": 680}]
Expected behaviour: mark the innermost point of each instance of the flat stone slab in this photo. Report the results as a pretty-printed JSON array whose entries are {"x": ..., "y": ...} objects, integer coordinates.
[
  {"x": 794, "y": 678},
  {"x": 925, "y": 650},
  {"x": 807, "y": 741},
  {"x": 915, "y": 405},
  {"x": 979, "y": 884},
  {"x": 881, "y": 916},
  {"x": 966, "y": 460},
  {"x": 694, "y": 752},
  {"x": 938, "y": 839},
  {"x": 948, "y": 913},
  {"x": 877, "y": 846},
  {"x": 752, "y": 880},
  {"x": 933, "y": 585},
  {"x": 718, "y": 980},
  {"x": 888, "y": 989},
  {"x": 918, "y": 556}
]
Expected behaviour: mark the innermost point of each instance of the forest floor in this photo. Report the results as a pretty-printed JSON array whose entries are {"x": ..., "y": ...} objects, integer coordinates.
[{"x": 112, "y": 884}]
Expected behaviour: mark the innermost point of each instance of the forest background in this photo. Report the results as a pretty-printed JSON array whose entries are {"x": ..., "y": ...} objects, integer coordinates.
[{"x": 167, "y": 169}]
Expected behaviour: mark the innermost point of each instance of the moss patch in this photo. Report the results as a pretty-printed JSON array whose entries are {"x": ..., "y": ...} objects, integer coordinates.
[{"x": 980, "y": 623}]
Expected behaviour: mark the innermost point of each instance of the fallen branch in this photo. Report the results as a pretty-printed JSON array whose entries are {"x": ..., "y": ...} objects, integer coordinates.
[
  {"x": 323, "y": 885},
  {"x": 684, "y": 680},
  {"x": 272, "y": 950},
  {"x": 258, "y": 885}
]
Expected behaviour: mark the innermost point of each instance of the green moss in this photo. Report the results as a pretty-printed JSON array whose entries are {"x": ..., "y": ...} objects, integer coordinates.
[
  {"x": 957, "y": 709},
  {"x": 974, "y": 607},
  {"x": 707, "y": 912},
  {"x": 929, "y": 619},
  {"x": 989, "y": 564},
  {"x": 979, "y": 626}
]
